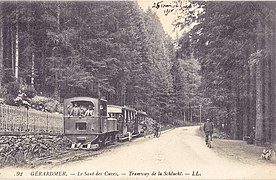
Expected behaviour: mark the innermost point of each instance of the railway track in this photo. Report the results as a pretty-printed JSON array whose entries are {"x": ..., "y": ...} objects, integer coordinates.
[{"x": 71, "y": 155}]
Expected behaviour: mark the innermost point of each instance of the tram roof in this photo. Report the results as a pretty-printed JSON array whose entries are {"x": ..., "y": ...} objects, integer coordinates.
[
  {"x": 142, "y": 112},
  {"x": 129, "y": 108},
  {"x": 114, "y": 109},
  {"x": 81, "y": 99},
  {"x": 118, "y": 109}
]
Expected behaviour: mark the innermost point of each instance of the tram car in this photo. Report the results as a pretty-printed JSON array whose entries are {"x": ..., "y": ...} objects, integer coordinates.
[
  {"x": 141, "y": 118},
  {"x": 129, "y": 121},
  {"x": 116, "y": 112},
  {"x": 86, "y": 122},
  {"x": 129, "y": 117}
]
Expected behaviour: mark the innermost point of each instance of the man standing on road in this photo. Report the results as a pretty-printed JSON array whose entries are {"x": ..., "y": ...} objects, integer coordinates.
[
  {"x": 208, "y": 129},
  {"x": 156, "y": 128}
]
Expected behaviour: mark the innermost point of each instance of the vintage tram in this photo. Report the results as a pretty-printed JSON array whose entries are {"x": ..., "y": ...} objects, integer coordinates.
[
  {"x": 86, "y": 122},
  {"x": 129, "y": 121}
]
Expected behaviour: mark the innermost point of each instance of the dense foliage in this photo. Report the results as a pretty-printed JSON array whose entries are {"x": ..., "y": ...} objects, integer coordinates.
[
  {"x": 109, "y": 49},
  {"x": 222, "y": 37}
]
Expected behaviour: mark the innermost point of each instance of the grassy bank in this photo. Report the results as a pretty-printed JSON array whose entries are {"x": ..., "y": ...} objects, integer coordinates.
[{"x": 237, "y": 149}]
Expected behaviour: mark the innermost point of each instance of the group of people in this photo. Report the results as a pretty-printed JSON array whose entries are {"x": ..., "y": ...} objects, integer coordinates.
[{"x": 81, "y": 111}]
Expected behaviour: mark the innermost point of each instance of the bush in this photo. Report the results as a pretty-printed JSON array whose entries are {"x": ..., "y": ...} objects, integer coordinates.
[
  {"x": 10, "y": 92},
  {"x": 49, "y": 104},
  {"x": 178, "y": 122},
  {"x": 12, "y": 88},
  {"x": 9, "y": 99},
  {"x": 29, "y": 91},
  {"x": 3, "y": 92}
]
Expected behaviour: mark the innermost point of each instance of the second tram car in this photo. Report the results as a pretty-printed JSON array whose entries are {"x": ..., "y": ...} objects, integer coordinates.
[
  {"x": 86, "y": 122},
  {"x": 129, "y": 121},
  {"x": 116, "y": 112}
]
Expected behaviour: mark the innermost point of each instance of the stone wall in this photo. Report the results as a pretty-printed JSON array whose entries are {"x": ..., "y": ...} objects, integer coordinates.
[{"x": 21, "y": 149}]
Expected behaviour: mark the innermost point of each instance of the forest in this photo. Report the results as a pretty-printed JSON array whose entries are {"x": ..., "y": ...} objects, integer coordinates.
[
  {"x": 234, "y": 43},
  {"x": 64, "y": 49},
  {"x": 222, "y": 67}
]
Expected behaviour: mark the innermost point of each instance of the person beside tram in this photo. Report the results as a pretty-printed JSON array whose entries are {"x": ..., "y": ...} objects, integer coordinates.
[
  {"x": 130, "y": 130},
  {"x": 156, "y": 127},
  {"x": 144, "y": 128}
]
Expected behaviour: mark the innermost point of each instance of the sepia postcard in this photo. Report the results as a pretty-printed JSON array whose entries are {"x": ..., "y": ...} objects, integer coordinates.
[{"x": 142, "y": 89}]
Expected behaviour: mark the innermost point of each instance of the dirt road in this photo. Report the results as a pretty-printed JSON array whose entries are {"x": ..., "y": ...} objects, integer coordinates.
[{"x": 177, "y": 154}]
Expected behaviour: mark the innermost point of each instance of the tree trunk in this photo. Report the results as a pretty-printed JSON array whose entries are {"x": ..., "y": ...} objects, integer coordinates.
[
  {"x": 240, "y": 113},
  {"x": 6, "y": 45},
  {"x": 268, "y": 80},
  {"x": 246, "y": 103},
  {"x": 56, "y": 85},
  {"x": 243, "y": 122},
  {"x": 252, "y": 99},
  {"x": 259, "y": 103},
  {"x": 58, "y": 16},
  {"x": 266, "y": 100},
  {"x": 42, "y": 69},
  {"x": 234, "y": 109},
  {"x": 123, "y": 94},
  {"x": 1, "y": 46},
  {"x": 273, "y": 77},
  {"x": 259, "y": 136},
  {"x": 56, "y": 88},
  {"x": 12, "y": 49},
  {"x": 16, "y": 50},
  {"x": 32, "y": 70}
]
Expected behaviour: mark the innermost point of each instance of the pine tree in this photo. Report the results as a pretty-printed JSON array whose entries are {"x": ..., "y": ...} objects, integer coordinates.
[{"x": 1, "y": 45}]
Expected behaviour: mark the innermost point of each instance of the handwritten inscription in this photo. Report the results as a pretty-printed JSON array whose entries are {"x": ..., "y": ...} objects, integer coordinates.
[{"x": 167, "y": 8}]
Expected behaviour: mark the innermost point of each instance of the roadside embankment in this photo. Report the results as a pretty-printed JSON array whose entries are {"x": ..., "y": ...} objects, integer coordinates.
[
  {"x": 18, "y": 150},
  {"x": 236, "y": 149}
]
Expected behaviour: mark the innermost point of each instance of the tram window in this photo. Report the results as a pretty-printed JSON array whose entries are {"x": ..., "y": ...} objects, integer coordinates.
[
  {"x": 78, "y": 108},
  {"x": 81, "y": 126}
]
